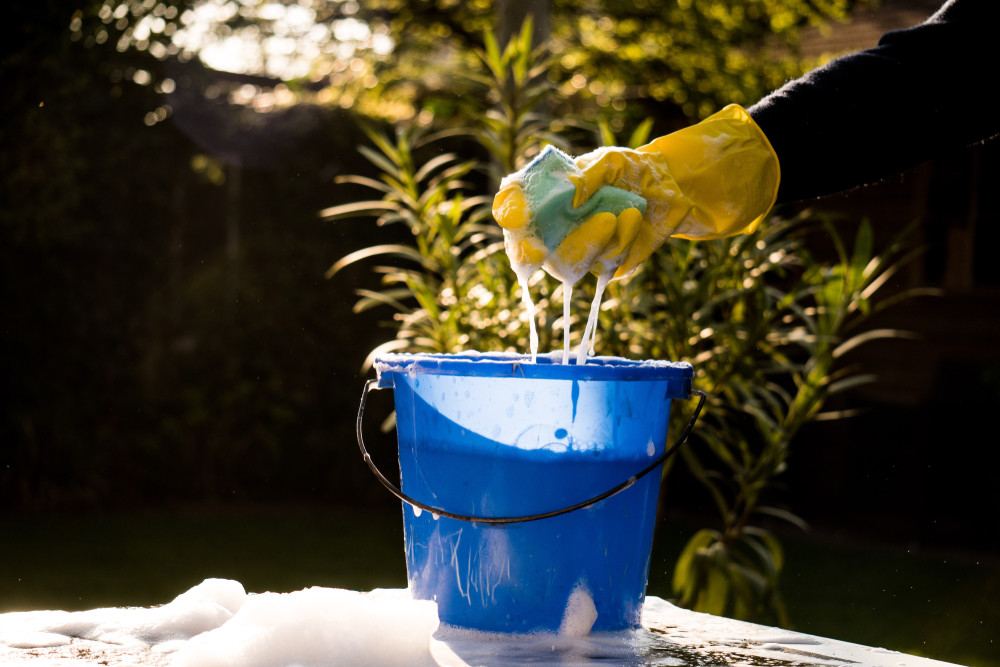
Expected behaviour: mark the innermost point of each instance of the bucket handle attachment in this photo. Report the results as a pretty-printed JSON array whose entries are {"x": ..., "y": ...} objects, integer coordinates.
[{"x": 396, "y": 491}]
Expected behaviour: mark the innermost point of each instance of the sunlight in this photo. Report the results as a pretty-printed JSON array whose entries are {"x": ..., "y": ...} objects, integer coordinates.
[
  {"x": 273, "y": 39},
  {"x": 320, "y": 45}
]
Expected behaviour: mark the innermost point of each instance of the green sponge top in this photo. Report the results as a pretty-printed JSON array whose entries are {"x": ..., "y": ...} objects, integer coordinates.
[{"x": 549, "y": 193}]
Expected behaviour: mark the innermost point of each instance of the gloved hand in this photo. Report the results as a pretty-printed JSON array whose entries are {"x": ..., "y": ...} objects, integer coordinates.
[
  {"x": 544, "y": 227},
  {"x": 713, "y": 179},
  {"x": 716, "y": 178}
]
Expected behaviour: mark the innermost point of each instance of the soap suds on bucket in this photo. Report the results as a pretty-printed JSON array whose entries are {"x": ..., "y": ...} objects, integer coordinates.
[{"x": 580, "y": 614}]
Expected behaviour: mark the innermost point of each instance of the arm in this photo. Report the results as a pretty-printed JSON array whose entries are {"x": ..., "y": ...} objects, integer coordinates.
[{"x": 919, "y": 93}]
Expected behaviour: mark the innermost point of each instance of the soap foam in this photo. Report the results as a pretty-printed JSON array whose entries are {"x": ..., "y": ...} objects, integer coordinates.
[
  {"x": 318, "y": 626},
  {"x": 567, "y": 301},
  {"x": 529, "y": 307},
  {"x": 580, "y": 614},
  {"x": 587, "y": 342},
  {"x": 217, "y": 624},
  {"x": 207, "y": 605}
]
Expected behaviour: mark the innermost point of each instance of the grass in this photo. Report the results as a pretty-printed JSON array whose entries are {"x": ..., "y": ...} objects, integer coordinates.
[{"x": 928, "y": 604}]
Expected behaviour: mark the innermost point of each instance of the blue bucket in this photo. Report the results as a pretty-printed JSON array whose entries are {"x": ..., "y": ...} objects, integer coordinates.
[{"x": 526, "y": 487}]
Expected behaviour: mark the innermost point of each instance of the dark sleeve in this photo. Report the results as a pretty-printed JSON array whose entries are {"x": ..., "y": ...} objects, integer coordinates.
[{"x": 919, "y": 93}]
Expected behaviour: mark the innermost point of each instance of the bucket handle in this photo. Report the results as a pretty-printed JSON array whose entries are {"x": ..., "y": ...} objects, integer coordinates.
[{"x": 396, "y": 491}]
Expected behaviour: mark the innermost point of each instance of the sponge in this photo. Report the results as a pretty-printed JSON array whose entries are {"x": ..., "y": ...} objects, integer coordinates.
[{"x": 535, "y": 207}]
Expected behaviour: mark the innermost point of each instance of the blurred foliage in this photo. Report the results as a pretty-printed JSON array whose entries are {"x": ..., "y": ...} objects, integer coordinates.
[
  {"x": 764, "y": 323},
  {"x": 678, "y": 61},
  {"x": 695, "y": 55}
]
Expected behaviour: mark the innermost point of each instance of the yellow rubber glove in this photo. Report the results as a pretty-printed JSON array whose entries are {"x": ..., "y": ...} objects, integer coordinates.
[{"x": 713, "y": 179}]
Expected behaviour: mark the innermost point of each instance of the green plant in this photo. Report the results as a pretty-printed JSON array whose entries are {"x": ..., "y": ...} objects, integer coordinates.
[
  {"x": 515, "y": 81},
  {"x": 453, "y": 288},
  {"x": 441, "y": 278},
  {"x": 764, "y": 323}
]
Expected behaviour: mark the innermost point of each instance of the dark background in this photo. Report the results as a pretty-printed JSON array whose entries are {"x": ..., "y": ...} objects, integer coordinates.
[{"x": 167, "y": 336}]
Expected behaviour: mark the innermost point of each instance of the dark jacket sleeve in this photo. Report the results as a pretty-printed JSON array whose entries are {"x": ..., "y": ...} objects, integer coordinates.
[{"x": 921, "y": 92}]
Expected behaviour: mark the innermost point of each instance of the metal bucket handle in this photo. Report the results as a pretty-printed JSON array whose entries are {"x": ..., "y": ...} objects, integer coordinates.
[{"x": 396, "y": 491}]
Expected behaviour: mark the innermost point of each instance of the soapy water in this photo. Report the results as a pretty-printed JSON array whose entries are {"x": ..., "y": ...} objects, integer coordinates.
[
  {"x": 218, "y": 624},
  {"x": 586, "y": 347},
  {"x": 587, "y": 343},
  {"x": 529, "y": 307},
  {"x": 567, "y": 301}
]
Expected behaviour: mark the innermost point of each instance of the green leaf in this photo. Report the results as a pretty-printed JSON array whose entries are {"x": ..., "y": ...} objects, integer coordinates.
[
  {"x": 434, "y": 163},
  {"x": 766, "y": 562},
  {"x": 365, "y": 181},
  {"x": 640, "y": 135},
  {"x": 380, "y": 160},
  {"x": 716, "y": 592},
  {"x": 374, "y": 251},
  {"x": 357, "y": 209},
  {"x": 862, "y": 255},
  {"x": 492, "y": 53},
  {"x": 684, "y": 568},
  {"x": 870, "y": 335},
  {"x": 783, "y": 514},
  {"x": 606, "y": 133}
]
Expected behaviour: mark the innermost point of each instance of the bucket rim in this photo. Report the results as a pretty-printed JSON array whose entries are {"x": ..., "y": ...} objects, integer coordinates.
[{"x": 511, "y": 364}]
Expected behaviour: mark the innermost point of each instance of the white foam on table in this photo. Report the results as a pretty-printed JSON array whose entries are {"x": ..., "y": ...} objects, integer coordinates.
[
  {"x": 218, "y": 624},
  {"x": 318, "y": 626}
]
